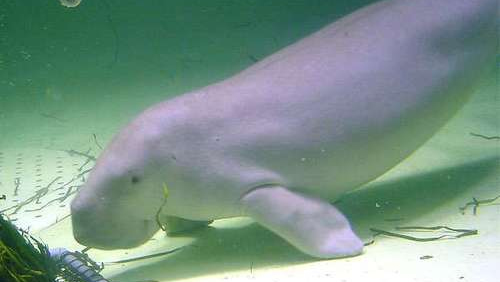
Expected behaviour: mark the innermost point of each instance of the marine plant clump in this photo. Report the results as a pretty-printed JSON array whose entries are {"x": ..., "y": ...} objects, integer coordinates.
[
  {"x": 25, "y": 259},
  {"x": 22, "y": 257}
]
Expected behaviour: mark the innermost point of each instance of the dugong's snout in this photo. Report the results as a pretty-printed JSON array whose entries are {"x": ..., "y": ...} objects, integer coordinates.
[{"x": 108, "y": 231}]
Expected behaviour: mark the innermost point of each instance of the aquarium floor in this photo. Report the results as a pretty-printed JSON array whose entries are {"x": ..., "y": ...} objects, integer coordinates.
[{"x": 426, "y": 190}]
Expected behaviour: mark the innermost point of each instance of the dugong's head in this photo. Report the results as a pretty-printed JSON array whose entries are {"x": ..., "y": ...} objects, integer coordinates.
[{"x": 117, "y": 205}]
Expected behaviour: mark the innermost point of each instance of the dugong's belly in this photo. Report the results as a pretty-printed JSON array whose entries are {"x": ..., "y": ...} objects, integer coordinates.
[{"x": 346, "y": 104}]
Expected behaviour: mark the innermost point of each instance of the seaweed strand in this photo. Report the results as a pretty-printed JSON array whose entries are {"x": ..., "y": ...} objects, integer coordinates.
[{"x": 462, "y": 232}]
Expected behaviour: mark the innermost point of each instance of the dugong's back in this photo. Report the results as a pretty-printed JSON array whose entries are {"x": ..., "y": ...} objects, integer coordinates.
[{"x": 344, "y": 105}]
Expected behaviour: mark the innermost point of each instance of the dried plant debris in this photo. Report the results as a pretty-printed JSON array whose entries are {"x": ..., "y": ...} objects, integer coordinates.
[
  {"x": 40, "y": 193},
  {"x": 50, "y": 116},
  {"x": 44, "y": 197},
  {"x": 94, "y": 136},
  {"x": 145, "y": 257},
  {"x": 369, "y": 243},
  {"x": 157, "y": 216},
  {"x": 71, "y": 190},
  {"x": 451, "y": 233},
  {"x": 494, "y": 137},
  {"x": 253, "y": 58},
  {"x": 87, "y": 154},
  {"x": 17, "y": 183},
  {"x": 475, "y": 203}
]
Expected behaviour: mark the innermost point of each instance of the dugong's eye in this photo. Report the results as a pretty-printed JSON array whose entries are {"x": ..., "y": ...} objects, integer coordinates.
[{"x": 135, "y": 179}]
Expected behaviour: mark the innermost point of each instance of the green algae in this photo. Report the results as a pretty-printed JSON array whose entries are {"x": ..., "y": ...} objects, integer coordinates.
[{"x": 22, "y": 257}]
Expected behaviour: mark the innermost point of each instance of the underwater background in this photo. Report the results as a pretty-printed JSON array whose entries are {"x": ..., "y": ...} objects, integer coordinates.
[{"x": 71, "y": 77}]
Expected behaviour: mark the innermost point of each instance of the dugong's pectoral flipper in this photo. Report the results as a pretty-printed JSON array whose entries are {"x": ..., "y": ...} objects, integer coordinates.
[
  {"x": 178, "y": 226},
  {"x": 312, "y": 225}
]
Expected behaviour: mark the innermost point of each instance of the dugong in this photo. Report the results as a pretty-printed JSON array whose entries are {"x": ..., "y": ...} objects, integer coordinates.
[{"x": 280, "y": 139}]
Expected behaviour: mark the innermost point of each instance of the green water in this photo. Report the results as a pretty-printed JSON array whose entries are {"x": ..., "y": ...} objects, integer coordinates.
[
  {"x": 71, "y": 77},
  {"x": 104, "y": 61}
]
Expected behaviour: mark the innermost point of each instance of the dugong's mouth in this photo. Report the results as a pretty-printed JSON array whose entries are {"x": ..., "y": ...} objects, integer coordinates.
[{"x": 117, "y": 238}]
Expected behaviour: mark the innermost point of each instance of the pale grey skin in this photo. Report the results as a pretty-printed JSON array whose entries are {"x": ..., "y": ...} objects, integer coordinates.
[{"x": 280, "y": 139}]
